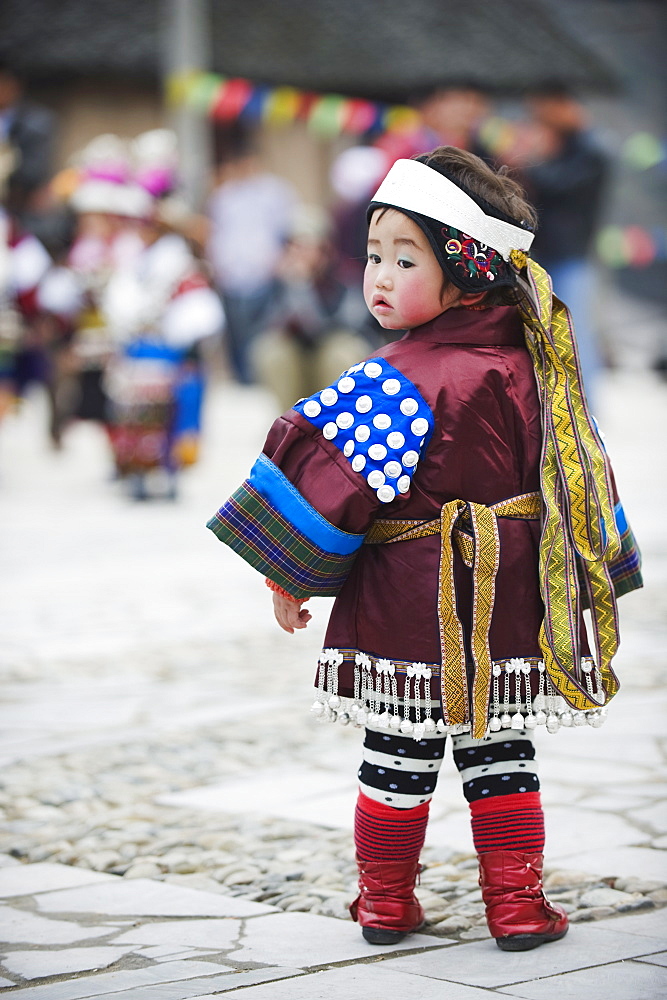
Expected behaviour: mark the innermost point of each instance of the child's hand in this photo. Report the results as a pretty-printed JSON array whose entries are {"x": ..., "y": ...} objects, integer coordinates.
[{"x": 289, "y": 614}]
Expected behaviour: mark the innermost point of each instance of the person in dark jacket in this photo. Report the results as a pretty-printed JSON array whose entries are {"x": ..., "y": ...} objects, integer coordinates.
[
  {"x": 27, "y": 130},
  {"x": 567, "y": 182}
]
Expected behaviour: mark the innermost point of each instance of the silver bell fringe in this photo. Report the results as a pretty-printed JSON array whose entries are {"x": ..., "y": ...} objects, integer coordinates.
[{"x": 376, "y": 702}]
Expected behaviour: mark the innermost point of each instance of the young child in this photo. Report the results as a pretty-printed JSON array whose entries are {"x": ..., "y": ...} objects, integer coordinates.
[{"x": 452, "y": 492}]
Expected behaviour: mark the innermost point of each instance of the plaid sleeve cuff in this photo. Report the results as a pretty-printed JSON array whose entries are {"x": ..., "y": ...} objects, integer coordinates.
[
  {"x": 274, "y": 528},
  {"x": 625, "y": 569}
]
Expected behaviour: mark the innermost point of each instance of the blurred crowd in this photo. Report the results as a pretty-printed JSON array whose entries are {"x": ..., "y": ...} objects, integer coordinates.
[{"x": 114, "y": 295}]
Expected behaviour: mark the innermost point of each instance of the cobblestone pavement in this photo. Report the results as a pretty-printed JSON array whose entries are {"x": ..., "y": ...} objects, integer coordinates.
[{"x": 177, "y": 825}]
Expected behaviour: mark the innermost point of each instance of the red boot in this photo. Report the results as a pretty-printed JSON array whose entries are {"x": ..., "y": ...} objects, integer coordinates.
[
  {"x": 519, "y": 915},
  {"x": 386, "y": 906}
]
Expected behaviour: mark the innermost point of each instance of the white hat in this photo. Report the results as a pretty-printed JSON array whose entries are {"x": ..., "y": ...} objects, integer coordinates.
[
  {"x": 155, "y": 161},
  {"x": 106, "y": 157},
  {"x": 95, "y": 196},
  {"x": 158, "y": 147},
  {"x": 133, "y": 202}
]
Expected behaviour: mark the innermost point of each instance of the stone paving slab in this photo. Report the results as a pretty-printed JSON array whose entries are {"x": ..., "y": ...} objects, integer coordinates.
[
  {"x": 453, "y": 830},
  {"x": 22, "y": 927},
  {"x": 7, "y": 861},
  {"x": 40, "y": 964},
  {"x": 655, "y": 816},
  {"x": 360, "y": 982},
  {"x": 335, "y": 810},
  {"x": 646, "y": 924},
  {"x": 562, "y": 766},
  {"x": 193, "y": 989},
  {"x": 143, "y": 897},
  {"x": 604, "y": 744},
  {"x": 306, "y": 940},
  {"x": 170, "y": 953},
  {"x": 640, "y": 862},
  {"x": 482, "y": 964},
  {"x": 263, "y": 788},
  {"x": 608, "y": 802},
  {"x": 659, "y": 959},
  {"x": 565, "y": 837},
  {"x": 25, "y": 880},
  {"x": 217, "y": 934},
  {"x": 618, "y": 981},
  {"x": 106, "y": 983}
]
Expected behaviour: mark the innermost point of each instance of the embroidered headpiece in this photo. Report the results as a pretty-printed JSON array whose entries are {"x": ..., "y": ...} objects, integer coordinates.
[{"x": 472, "y": 240}]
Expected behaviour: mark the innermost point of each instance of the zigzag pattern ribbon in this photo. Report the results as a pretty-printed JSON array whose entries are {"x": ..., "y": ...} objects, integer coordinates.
[
  {"x": 454, "y": 681},
  {"x": 578, "y": 499},
  {"x": 452, "y": 645},
  {"x": 485, "y": 568}
]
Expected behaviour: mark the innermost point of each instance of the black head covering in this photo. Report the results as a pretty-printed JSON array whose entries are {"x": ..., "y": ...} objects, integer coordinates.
[{"x": 466, "y": 262}]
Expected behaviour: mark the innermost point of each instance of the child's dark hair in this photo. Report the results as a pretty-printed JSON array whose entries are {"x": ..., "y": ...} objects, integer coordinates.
[{"x": 495, "y": 187}]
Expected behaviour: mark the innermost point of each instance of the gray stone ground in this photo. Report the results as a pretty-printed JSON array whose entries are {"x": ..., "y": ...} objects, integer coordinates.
[{"x": 177, "y": 825}]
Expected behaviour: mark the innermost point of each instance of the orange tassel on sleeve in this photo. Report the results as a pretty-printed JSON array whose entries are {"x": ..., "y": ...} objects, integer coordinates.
[{"x": 283, "y": 593}]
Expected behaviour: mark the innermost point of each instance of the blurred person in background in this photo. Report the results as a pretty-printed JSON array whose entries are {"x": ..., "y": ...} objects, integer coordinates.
[
  {"x": 310, "y": 336},
  {"x": 354, "y": 174},
  {"x": 24, "y": 263},
  {"x": 30, "y": 314},
  {"x": 565, "y": 172},
  {"x": 250, "y": 213},
  {"x": 159, "y": 307},
  {"x": 108, "y": 210},
  {"x": 60, "y": 300},
  {"x": 451, "y": 116},
  {"x": 27, "y": 130}
]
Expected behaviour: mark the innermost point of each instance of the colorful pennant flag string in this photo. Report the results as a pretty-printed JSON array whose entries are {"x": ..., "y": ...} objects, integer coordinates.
[{"x": 226, "y": 99}]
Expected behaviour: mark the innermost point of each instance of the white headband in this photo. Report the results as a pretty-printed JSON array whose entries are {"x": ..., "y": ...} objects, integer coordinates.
[{"x": 416, "y": 187}]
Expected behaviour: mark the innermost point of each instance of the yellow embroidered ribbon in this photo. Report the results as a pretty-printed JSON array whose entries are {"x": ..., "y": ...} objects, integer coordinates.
[
  {"x": 577, "y": 494},
  {"x": 473, "y": 528}
]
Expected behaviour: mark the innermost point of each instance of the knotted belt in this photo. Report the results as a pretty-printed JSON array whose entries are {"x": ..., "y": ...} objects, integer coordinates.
[{"x": 473, "y": 528}]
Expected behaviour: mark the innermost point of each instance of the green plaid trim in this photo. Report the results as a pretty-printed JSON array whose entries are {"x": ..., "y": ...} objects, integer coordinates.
[
  {"x": 271, "y": 543},
  {"x": 624, "y": 570}
]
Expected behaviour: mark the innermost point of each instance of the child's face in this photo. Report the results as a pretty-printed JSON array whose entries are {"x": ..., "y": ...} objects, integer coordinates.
[{"x": 403, "y": 280}]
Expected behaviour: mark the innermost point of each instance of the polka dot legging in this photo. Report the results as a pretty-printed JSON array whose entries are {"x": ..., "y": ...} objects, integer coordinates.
[{"x": 402, "y": 772}]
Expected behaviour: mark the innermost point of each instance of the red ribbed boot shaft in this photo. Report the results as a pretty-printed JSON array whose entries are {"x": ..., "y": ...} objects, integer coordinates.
[
  {"x": 508, "y": 823},
  {"x": 382, "y": 833}
]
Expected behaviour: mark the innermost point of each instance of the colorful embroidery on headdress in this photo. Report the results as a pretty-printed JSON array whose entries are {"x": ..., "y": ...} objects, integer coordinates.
[{"x": 471, "y": 258}]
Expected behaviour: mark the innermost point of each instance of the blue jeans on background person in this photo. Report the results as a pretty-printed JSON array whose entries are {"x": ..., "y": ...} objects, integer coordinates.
[{"x": 245, "y": 313}]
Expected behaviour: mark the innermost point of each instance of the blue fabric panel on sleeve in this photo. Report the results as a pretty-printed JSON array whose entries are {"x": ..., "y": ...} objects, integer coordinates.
[
  {"x": 621, "y": 520},
  {"x": 378, "y": 419},
  {"x": 268, "y": 480}
]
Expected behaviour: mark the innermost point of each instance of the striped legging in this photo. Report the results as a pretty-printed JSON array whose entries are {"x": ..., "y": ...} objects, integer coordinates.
[{"x": 398, "y": 776}]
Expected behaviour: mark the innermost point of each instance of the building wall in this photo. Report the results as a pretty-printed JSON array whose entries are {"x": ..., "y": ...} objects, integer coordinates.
[{"x": 88, "y": 108}]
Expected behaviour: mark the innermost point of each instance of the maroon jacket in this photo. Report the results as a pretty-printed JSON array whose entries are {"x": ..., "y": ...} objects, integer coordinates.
[{"x": 475, "y": 374}]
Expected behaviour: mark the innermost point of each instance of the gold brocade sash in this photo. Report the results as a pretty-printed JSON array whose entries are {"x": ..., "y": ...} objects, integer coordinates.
[
  {"x": 473, "y": 528},
  {"x": 578, "y": 499}
]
